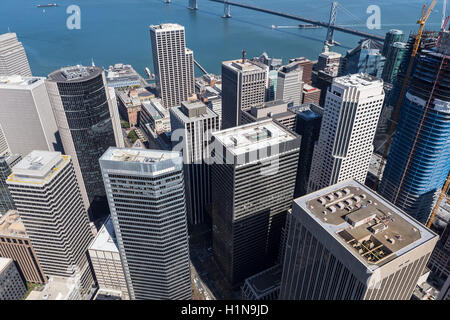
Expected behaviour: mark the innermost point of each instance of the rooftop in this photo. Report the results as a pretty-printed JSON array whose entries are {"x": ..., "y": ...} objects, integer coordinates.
[
  {"x": 358, "y": 80},
  {"x": 11, "y": 225},
  {"x": 106, "y": 238},
  {"x": 19, "y": 82},
  {"x": 167, "y": 26},
  {"x": 253, "y": 136},
  {"x": 191, "y": 111},
  {"x": 57, "y": 288},
  {"x": 38, "y": 167},
  {"x": 265, "y": 281},
  {"x": 367, "y": 225},
  {"x": 74, "y": 74},
  {"x": 138, "y": 155},
  {"x": 246, "y": 66}
]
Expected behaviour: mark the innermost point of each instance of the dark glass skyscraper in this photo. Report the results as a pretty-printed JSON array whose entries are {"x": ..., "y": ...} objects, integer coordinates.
[
  {"x": 419, "y": 158},
  {"x": 81, "y": 106}
]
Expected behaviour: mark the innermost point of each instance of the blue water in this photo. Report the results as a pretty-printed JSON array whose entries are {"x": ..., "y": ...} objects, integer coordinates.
[{"x": 117, "y": 30}]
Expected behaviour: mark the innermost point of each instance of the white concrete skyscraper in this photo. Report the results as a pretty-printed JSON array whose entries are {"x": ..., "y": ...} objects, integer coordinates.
[
  {"x": 290, "y": 84},
  {"x": 26, "y": 116},
  {"x": 145, "y": 190},
  {"x": 345, "y": 146},
  {"x": 13, "y": 59},
  {"x": 173, "y": 63},
  {"x": 195, "y": 122},
  {"x": 345, "y": 242},
  {"x": 46, "y": 194},
  {"x": 244, "y": 84}
]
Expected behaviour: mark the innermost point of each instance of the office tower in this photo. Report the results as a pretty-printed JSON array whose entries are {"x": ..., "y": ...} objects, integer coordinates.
[
  {"x": 45, "y": 191},
  {"x": 345, "y": 145},
  {"x": 253, "y": 179},
  {"x": 310, "y": 94},
  {"x": 173, "y": 63},
  {"x": 264, "y": 285},
  {"x": 394, "y": 62},
  {"x": 360, "y": 247},
  {"x": 12, "y": 286},
  {"x": 365, "y": 58},
  {"x": 81, "y": 104},
  {"x": 4, "y": 147},
  {"x": 290, "y": 84},
  {"x": 115, "y": 118},
  {"x": 215, "y": 104},
  {"x": 193, "y": 123},
  {"x": 105, "y": 259},
  {"x": 329, "y": 62},
  {"x": 272, "y": 63},
  {"x": 439, "y": 263},
  {"x": 307, "y": 68},
  {"x": 419, "y": 159},
  {"x": 277, "y": 110},
  {"x": 15, "y": 244},
  {"x": 307, "y": 125},
  {"x": 13, "y": 59},
  {"x": 243, "y": 86},
  {"x": 392, "y": 36},
  {"x": 26, "y": 115},
  {"x": 145, "y": 190}
]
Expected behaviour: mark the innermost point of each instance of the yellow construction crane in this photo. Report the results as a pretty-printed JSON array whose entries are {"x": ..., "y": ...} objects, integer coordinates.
[
  {"x": 438, "y": 203},
  {"x": 421, "y": 22}
]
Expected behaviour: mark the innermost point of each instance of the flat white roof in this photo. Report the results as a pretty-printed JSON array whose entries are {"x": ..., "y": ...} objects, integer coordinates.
[
  {"x": 138, "y": 155},
  {"x": 167, "y": 27},
  {"x": 37, "y": 164},
  {"x": 358, "y": 80},
  {"x": 253, "y": 136},
  {"x": 19, "y": 82},
  {"x": 105, "y": 239},
  {"x": 57, "y": 288},
  {"x": 247, "y": 66}
]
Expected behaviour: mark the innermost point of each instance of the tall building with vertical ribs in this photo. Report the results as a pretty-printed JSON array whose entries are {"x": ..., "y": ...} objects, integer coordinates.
[
  {"x": 345, "y": 146},
  {"x": 13, "y": 59},
  {"x": 173, "y": 63},
  {"x": 145, "y": 190},
  {"x": 253, "y": 179},
  {"x": 419, "y": 159},
  {"x": 345, "y": 242},
  {"x": 45, "y": 191}
]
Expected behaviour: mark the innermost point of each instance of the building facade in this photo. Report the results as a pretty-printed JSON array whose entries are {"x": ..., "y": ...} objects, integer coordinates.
[
  {"x": 419, "y": 159},
  {"x": 345, "y": 242},
  {"x": 244, "y": 85},
  {"x": 345, "y": 146},
  {"x": 45, "y": 191},
  {"x": 6, "y": 163},
  {"x": 253, "y": 180},
  {"x": 193, "y": 123},
  {"x": 15, "y": 244},
  {"x": 145, "y": 190},
  {"x": 105, "y": 259},
  {"x": 26, "y": 115},
  {"x": 173, "y": 63},
  {"x": 13, "y": 59},
  {"x": 290, "y": 84},
  {"x": 365, "y": 58},
  {"x": 81, "y": 105},
  {"x": 12, "y": 286}
]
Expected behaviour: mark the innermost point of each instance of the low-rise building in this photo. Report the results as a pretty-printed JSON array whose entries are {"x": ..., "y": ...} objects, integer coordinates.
[{"x": 264, "y": 285}]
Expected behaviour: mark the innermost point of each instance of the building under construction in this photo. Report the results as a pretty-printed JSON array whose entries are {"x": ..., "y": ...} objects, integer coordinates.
[{"x": 419, "y": 159}]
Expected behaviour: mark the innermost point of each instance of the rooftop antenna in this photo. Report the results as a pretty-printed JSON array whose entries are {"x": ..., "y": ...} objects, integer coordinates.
[
  {"x": 243, "y": 56},
  {"x": 444, "y": 14},
  {"x": 92, "y": 62}
]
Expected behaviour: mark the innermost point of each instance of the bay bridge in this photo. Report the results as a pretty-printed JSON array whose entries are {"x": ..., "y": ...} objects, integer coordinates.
[{"x": 331, "y": 24}]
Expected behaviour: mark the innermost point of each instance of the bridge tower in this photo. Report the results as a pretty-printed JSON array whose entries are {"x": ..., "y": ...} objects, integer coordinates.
[
  {"x": 193, "y": 5},
  {"x": 329, "y": 41},
  {"x": 167, "y": 1},
  {"x": 226, "y": 9}
]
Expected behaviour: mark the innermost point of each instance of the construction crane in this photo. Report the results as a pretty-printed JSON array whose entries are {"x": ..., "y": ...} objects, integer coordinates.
[
  {"x": 438, "y": 203},
  {"x": 421, "y": 22}
]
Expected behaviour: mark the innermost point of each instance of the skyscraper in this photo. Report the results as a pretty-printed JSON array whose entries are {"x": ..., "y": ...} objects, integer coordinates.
[
  {"x": 45, "y": 191},
  {"x": 145, "y": 190},
  {"x": 12, "y": 286},
  {"x": 6, "y": 201},
  {"x": 393, "y": 62},
  {"x": 13, "y": 59},
  {"x": 26, "y": 116},
  {"x": 307, "y": 68},
  {"x": 290, "y": 84},
  {"x": 173, "y": 63},
  {"x": 365, "y": 58},
  {"x": 392, "y": 36},
  {"x": 345, "y": 146},
  {"x": 193, "y": 123},
  {"x": 253, "y": 180},
  {"x": 345, "y": 242},
  {"x": 419, "y": 158},
  {"x": 81, "y": 105},
  {"x": 243, "y": 86}
]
